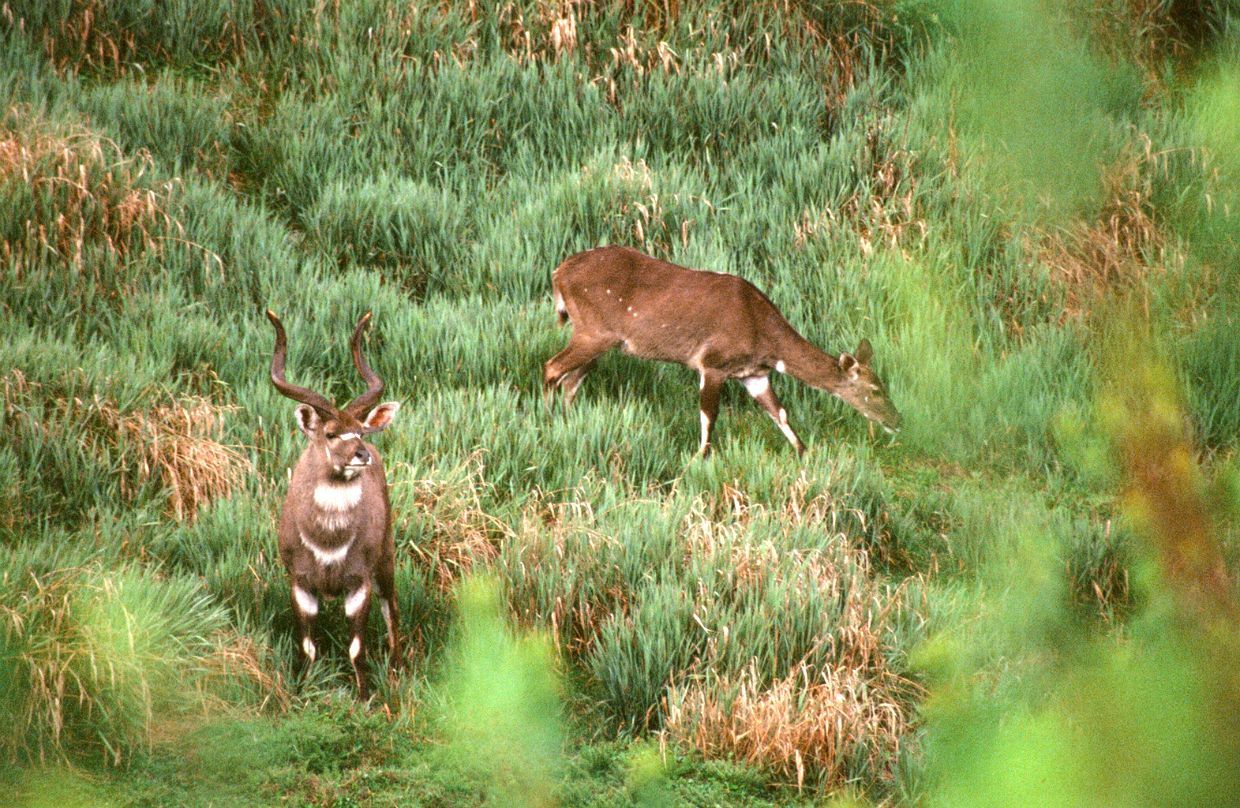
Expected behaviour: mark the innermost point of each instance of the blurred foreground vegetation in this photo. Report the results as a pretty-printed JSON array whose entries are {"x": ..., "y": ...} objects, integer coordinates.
[{"x": 1029, "y": 208}]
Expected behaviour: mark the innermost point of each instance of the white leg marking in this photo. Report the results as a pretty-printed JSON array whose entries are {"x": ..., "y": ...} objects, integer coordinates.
[
  {"x": 789, "y": 434},
  {"x": 355, "y": 648},
  {"x": 356, "y": 598},
  {"x": 756, "y": 385},
  {"x": 307, "y": 645},
  {"x": 387, "y": 621},
  {"x": 701, "y": 381},
  {"x": 705, "y": 431},
  {"x": 305, "y": 601},
  {"x": 781, "y": 367},
  {"x": 783, "y": 417}
]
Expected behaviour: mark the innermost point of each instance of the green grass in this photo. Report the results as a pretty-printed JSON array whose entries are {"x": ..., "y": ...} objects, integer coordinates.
[{"x": 929, "y": 176}]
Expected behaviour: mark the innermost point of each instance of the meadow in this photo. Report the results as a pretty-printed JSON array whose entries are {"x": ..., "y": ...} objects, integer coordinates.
[{"x": 1030, "y": 209}]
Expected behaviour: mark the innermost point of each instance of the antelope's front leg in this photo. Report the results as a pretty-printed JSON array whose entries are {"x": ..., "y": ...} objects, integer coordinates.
[
  {"x": 305, "y": 610},
  {"x": 357, "y": 611},
  {"x": 710, "y": 385}
]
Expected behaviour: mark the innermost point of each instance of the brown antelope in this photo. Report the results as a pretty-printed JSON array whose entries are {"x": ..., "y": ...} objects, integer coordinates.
[
  {"x": 336, "y": 527},
  {"x": 719, "y": 325}
]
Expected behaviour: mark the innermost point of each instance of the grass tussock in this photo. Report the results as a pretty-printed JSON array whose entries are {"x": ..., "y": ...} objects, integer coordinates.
[
  {"x": 456, "y": 532},
  {"x": 1115, "y": 250},
  {"x": 813, "y": 726},
  {"x": 77, "y": 204},
  {"x": 175, "y": 445},
  {"x": 97, "y": 660}
]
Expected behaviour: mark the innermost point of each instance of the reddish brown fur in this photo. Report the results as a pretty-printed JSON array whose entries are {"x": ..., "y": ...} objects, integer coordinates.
[{"x": 720, "y": 325}]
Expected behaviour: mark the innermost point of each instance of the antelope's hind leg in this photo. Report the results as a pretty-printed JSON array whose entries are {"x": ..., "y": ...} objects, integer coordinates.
[{"x": 569, "y": 367}]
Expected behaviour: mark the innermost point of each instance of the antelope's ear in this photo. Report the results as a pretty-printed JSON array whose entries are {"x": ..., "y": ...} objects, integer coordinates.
[
  {"x": 848, "y": 362},
  {"x": 381, "y": 416},
  {"x": 308, "y": 419},
  {"x": 865, "y": 352}
]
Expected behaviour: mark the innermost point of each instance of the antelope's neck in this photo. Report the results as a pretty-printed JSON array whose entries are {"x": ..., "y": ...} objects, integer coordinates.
[{"x": 810, "y": 364}]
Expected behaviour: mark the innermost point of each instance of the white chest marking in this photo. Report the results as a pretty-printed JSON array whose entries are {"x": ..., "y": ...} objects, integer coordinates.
[
  {"x": 327, "y": 557},
  {"x": 781, "y": 367},
  {"x": 331, "y": 497},
  {"x": 756, "y": 385}
]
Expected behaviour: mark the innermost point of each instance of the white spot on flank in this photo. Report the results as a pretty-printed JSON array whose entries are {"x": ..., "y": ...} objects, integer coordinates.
[
  {"x": 608, "y": 291},
  {"x": 332, "y": 497},
  {"x": 307, "y": 645},
  {"x": 327, "y": 557},
  {"x": 355, "y": 648},
  {"x": 630, "y": 308},
  {"x": 305, "y": 601},
  {"x": 756, "y": 385},
  {"x": 781, "y": 367},
  {"x": 355, "y": 600}
]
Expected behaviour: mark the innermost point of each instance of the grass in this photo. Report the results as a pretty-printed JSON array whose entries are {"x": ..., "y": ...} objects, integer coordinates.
[{"x": 749, "y": 629}]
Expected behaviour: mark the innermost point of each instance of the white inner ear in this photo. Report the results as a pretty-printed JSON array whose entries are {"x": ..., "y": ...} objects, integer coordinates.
[
  {"x": 382, "y": 415},
  {"x": 307, "y": 418}
]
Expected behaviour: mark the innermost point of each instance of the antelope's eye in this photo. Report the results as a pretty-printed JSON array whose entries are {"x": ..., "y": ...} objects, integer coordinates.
[{"x": 332, "y": 435}]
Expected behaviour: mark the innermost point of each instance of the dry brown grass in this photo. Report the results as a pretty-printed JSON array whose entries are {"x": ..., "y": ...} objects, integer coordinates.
[
  {"x": 175, "y": 443},
  {"x": 91, "y": 34},
  {"x": 820, "y": 719},
  {"x": 459, "y": 534},
  {"x": 804, "y": 728},
  {"x": 91, "y": 204},
  {"x": 882, "y": 215},
  {"x": 1118, "y": 248}
]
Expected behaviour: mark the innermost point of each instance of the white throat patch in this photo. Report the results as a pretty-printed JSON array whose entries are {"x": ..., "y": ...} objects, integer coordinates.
[{"x": 331, "y": 497}]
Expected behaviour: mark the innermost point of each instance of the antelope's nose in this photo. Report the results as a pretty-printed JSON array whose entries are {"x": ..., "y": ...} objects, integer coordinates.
[{"x": 361, "y": 457}]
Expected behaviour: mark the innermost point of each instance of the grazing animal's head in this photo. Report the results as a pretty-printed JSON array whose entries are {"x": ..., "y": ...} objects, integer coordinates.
[
  {"x": 863, "y": 390},
  {"x": 336, "y": 434}
]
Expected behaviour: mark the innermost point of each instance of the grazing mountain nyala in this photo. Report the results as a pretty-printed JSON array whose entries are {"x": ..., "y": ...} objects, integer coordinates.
[
  {"x": 336, "y": 527},
  {"x": 719, "y": 325}
]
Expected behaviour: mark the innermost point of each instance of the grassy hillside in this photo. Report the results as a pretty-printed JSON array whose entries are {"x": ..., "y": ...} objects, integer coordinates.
[{"x": 1029, "y": 209}]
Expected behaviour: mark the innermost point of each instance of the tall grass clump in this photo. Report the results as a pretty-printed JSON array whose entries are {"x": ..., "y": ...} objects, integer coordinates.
[
  {"x": 95, "y": 660},
  {"x": 503, "y": 709},
  {"x": 1145, "y": 719}
]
